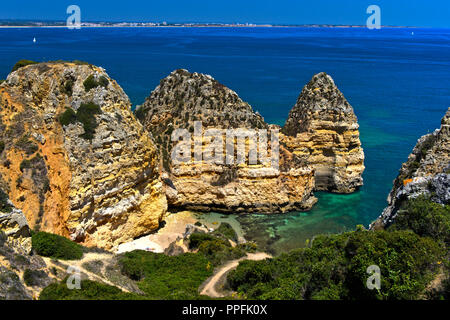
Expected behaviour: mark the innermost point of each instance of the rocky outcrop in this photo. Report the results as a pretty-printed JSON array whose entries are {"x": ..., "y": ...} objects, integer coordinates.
[
  {"x": 184, "y": 98},
  {"x": 14, "y": 229},
  {"x": 75, "y": 160},
  {"x": 426, "y": 172},
  {"x": 323, "y": 129}
]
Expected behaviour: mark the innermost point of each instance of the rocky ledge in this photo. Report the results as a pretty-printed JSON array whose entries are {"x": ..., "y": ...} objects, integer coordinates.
[
  {"x": 74, "y": 159},
  {"x": 426, "y": 172}
]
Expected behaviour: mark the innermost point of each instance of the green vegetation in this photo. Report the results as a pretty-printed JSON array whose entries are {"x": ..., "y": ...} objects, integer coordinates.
[
  {"x": 25, "y": 164},
  {"x": 425, "y": 218},
  {"x": 335, "y": 268},
  {"x": 33, "y": 277},
  {"x": 90, "y": 290},
  {"x": 216, "y": 246},
  {"x": 25, "y": 144},
  {"x": 22, "y": 63},
  {"x": 226, "y": 231},
  {"x": 91, "y": 82},
  {"x": 85, "y": 115},
  {"x": 166, "y": 277},
  {"x": 139, "y": 113},
  {"x": 67, "y": 117},
  {"x": 2, "y": 146},
  {"x": 54, "y": 246},
  {"x": 67, "y": 87},
  {"x": 197, "y": 238},
  {"x": 4, "y": 205}
]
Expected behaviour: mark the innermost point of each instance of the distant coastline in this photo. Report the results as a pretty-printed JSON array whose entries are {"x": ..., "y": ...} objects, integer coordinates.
[{"x": 62, "y": 24}]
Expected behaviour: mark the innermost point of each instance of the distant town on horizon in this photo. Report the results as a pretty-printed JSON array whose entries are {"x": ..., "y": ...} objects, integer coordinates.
[{"x": 94, "y": 24}]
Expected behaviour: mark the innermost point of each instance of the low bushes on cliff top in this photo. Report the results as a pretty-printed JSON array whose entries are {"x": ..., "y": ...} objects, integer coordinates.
[
  {"x": 335, "y": 268},
  {"x": 91, "y": 82},
  {"x": 22, "y": 63},
  {"x": 85, "y": 115},
  {"x": 55, "y": 246},
  {"x": 425, "y": 218}
]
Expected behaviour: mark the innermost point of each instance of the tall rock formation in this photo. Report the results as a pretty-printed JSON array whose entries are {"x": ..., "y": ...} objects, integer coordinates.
[
  {"x": 183, "y": 98},
  {"x": 426, "y": 172},
  {"x": 323, "y": 129},
  {"x": 73, "y": 157}
]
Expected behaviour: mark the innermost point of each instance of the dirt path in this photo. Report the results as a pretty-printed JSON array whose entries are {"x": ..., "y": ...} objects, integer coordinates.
[
  {"x": 87, "y": 257},
  {"x": 209, "y": 287}
]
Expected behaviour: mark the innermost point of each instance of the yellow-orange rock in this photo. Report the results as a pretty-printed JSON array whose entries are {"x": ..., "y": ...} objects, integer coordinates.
[
  {"x": 323, "y": 129},
  {"x": 100, "y": 190}
]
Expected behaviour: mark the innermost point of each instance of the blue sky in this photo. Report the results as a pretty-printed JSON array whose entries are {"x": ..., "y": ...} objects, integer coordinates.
[{"x": 431, "y": 13}]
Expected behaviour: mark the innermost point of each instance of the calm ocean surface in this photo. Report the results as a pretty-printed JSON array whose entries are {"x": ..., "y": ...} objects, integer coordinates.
[{"x": 397, "y": 82}]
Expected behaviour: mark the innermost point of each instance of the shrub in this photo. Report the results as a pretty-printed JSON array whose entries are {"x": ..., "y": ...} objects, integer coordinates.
[
  {"x": 32, "y": 277},
  {"x": 166, "y": 277},
  {"x": 226, "y": 231},
  {"x": 425, "y": 218},
  {"x": 67, "y": 117},
  {"x": 25, "y": 144},
  {"x": 139, "y": 113},
  {"x": 22, "y": 63},
  {"x": 335, "y": 267},
  {"x": 67, "y": 87},
  {"x": 91, "y": 82},
  {"x": 90, "y": 290},
  {"x": 196, "y": 239},
  {"x": 55, "y": 246},
  {"x": 25, "y": 164},
  {"x": 2, "y": 146},
  {"x": 85, "y": 115}
]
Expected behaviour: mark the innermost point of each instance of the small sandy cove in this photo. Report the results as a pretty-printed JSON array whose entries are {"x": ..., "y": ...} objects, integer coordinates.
[{"x": 175, "y": 226}]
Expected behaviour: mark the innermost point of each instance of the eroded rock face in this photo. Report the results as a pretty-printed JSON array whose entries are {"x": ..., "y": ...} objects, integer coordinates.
[
  {"x": 183, "y": 98},
  {"x": 426, "y": 172},
  {"x": 323, "y": 129},
  {"x": 90, "y": 175},
  {"x": 15, "y": 229}
]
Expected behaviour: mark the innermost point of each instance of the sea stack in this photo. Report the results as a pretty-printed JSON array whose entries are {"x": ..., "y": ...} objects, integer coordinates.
[
  {"x": 183, "y": 99},
  {"x": 426, "y": 172},
  {"x": 74, "y": 159},
  {"x": 323, "y": 129}
]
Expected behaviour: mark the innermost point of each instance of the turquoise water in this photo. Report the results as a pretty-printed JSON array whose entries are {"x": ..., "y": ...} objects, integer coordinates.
[{"x": 398, "y": 84}]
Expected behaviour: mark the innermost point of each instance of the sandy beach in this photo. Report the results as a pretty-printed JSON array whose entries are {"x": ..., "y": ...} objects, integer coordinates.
[{"x": 175, "y": 226}]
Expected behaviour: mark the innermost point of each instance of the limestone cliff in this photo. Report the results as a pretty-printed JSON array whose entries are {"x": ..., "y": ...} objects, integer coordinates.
[
  {"x": 323, "y": 129},
  {"x": 74, "y": 158},
  {"x": 14, "y": 229},
  {"x": 426, "y": 172},
  {"x": 183, "y": 98}
]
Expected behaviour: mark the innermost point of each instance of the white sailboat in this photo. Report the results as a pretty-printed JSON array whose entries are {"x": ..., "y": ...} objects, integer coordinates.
[{"x": 34, "y": 40}]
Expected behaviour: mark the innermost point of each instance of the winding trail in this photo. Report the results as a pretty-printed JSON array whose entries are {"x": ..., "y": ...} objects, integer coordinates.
[{"x": 209, "y": 286}]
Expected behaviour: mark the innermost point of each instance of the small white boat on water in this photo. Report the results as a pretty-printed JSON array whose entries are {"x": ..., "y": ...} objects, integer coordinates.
[{"x": 34, "y": 40}]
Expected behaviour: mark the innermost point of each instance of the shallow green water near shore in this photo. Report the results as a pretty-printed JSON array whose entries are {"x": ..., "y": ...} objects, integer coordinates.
[{"x": 277, "y": 233}]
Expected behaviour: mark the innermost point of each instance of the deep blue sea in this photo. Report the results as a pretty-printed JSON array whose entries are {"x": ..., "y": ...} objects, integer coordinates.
[{"x": 397, "y": 80}]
